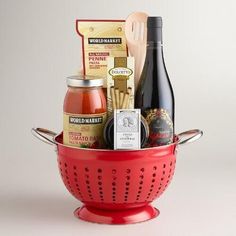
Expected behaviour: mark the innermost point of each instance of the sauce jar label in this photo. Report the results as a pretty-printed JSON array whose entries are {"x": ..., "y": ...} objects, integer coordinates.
[
  {"x": 160, "y": 127},
  {"x": 84, "y": 130}
]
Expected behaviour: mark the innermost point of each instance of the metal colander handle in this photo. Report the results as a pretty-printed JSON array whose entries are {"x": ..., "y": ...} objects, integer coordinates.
[
  {"x": 189, "y": 136},
  {"x": 40, "y": 134},
  {"x": 184, "y": 138}
]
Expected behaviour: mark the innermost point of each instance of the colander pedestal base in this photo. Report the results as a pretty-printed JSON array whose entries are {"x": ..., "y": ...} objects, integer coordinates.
[{"x": 127, "y": 216}]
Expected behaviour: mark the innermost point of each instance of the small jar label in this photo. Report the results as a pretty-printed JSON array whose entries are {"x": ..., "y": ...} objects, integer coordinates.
[
  {"x": 84, "y": 130},
  {"x": 127, "y": 126},
  {"x": 160, "y": 127}
]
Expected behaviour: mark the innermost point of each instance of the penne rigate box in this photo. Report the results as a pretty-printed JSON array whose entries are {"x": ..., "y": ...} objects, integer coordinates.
[
  {"x": 120, "y": 83},
  {"x": 101, "y": 39}
]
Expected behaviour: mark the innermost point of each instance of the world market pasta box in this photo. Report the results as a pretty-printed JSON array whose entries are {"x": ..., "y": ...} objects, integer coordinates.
[{"x": 101, "y": 39}]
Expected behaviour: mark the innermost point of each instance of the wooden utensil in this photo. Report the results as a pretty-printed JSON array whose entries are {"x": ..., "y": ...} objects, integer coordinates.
[{"x": 136, "y": 36}]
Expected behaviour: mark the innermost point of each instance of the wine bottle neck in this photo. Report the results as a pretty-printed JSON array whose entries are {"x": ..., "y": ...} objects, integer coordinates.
[{"x": 154, "y": 35}]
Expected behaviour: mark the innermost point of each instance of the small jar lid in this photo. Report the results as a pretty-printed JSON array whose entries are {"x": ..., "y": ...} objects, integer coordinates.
[{"x": 84, "y": 81}]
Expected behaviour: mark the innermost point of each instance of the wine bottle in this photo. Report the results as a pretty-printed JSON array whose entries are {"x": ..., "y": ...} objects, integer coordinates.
[{"x": 154, "y": 94}]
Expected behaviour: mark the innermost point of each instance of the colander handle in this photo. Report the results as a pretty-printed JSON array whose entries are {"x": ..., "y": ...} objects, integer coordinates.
[
  {"x": 189, "y": 136},
  {"x": 40, "y": 133}
]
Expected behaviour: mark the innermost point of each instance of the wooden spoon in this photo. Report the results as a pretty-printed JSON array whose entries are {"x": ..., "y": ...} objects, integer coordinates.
[{"x": 136, "y": 36}]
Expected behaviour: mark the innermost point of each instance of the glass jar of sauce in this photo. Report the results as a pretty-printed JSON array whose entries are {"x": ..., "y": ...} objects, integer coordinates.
[{"x": 85, "y": 112}]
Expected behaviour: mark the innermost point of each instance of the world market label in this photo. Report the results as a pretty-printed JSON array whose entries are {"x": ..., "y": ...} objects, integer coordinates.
[{"x": 84, "y": 130}]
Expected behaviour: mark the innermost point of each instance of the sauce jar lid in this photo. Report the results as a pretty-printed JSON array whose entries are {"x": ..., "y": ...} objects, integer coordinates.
[{"x": 84, "y": 81}]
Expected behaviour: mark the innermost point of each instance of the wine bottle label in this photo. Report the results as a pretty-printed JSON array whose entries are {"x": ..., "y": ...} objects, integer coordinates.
[
  {"x": 160, "y": 127},
  {"x": 84, "y": 130}
]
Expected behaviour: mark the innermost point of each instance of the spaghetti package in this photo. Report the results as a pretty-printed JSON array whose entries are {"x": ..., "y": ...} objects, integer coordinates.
[
  {"x": 120, "y": 83},
  {"x": 101, "y": 39}
]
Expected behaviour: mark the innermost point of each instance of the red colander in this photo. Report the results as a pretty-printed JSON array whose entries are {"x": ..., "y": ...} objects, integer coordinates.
[{"x": 116, "y": 187}]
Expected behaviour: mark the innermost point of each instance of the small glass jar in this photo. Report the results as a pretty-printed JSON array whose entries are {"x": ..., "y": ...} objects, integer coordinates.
[{"x": 85, "y": 112}]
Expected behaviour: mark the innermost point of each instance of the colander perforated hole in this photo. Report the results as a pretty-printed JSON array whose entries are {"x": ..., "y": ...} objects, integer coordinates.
[
  {"x": 153, "y": 180},
  {"x": 162, "y": 181},
  {"x": 87, "y": 182},
  {"x": 141, "y": 181},
  {"x": 114, "y": 178},
  {"x": 128, "y": 171},
  {"x": 171, "y": 163},
  {"x": 76, "y": 182},
  {"x": 100, "y": 185},
  {"x": 67, "y": 181},
  {"x": 127, "y": 183}
]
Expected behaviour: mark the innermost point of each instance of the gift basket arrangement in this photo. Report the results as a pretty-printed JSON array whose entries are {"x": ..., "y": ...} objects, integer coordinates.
[{"x": 118, "y": 148}]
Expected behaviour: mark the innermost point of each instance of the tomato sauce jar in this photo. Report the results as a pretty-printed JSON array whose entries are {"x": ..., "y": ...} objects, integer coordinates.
[{"x": 84, "y": 112}]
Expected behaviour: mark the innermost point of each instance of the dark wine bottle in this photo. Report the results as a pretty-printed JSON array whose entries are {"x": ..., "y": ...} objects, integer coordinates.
[{"x": 154, "y": 94}]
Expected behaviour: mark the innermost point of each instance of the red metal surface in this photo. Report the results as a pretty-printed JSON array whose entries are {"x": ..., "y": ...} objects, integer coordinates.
[
  {"x": 116, "y": 187},
  {"x": 135, "y": 215}
]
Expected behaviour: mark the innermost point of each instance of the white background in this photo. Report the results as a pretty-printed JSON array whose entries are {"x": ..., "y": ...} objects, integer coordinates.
[{"x": 39, "y": 48}]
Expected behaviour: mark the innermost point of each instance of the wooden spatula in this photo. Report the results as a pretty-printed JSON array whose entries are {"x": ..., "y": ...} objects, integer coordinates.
[{"x": 136, "y": 36}]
